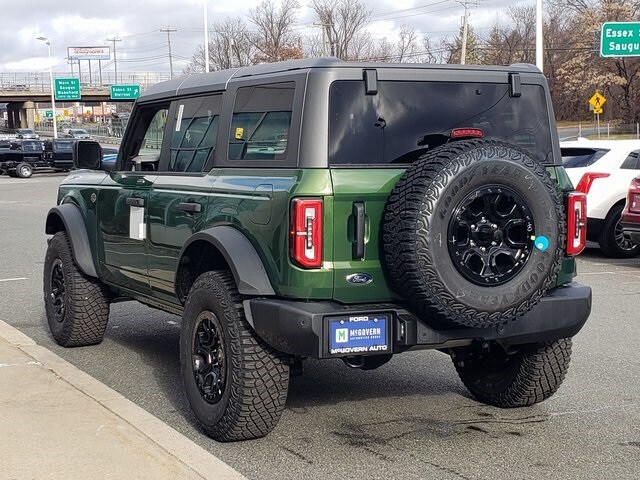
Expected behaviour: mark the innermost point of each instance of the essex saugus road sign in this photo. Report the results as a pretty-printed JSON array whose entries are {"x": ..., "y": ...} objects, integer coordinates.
[{"x": 620, "y": 39}]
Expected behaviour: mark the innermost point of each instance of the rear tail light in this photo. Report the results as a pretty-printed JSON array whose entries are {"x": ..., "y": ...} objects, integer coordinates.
[
  {"x": 576, "y": 222},
  {"x": 306, "y": 232},
  {"x": 584, "y": 185},
  {"x": 467, "y": 133},
  {"x": 633, "y": 198}
]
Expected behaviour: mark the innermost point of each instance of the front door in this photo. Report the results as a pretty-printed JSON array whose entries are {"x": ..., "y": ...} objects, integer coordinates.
[{"x": 123, "y": 201}]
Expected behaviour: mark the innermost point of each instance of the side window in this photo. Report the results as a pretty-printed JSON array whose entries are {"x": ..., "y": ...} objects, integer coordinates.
[
  {"x": 261, "y": 122},
  {"x": 143, "y": 146},
  {"x": 193, "y": 139},
  {"x": 631, "y": 162}
]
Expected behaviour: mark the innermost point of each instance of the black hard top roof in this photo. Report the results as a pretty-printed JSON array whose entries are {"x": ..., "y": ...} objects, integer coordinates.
[{"x": 219, "y": 80}]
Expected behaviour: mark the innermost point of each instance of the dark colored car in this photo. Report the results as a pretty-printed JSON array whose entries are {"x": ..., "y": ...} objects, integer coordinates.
[
  {"x": 325, "y": 209},
  {"x": 21, "y": 158},
  {"x": 109, "y": 156},
  {"x": 630, "y": 220}
]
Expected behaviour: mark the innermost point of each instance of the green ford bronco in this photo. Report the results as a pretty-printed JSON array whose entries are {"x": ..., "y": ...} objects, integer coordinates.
[{"x": 325, "y": 209}]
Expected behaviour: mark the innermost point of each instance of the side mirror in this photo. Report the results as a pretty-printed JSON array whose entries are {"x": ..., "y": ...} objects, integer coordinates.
[{"x": 87, "y": 154}]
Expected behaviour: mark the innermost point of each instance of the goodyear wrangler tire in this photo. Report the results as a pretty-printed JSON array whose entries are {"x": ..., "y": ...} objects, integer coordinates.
[{"x": 473, "y": 234}]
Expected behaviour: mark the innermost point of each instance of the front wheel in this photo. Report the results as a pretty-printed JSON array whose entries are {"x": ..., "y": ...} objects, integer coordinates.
[
  {"x": 527, "y": 376},
  {"x": 235, "y": 383},
  {"x": 77, "y": 306}
]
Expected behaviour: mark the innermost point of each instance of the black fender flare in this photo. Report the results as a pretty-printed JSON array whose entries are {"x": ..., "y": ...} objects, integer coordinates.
[
  {"x": 241, "y": 256},
  {"x": 67, "y": 217}
]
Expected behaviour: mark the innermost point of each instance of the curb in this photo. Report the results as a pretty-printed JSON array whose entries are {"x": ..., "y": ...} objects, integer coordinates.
[{"x": 182, "y": 448}]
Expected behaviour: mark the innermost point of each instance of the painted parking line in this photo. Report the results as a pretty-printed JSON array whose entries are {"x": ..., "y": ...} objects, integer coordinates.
[{"x": 13, "y": 279}]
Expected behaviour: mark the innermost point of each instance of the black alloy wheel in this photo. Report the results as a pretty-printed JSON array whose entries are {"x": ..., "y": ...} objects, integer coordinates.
[
  {"x": 58, "y": 290},
  {"x": 209, "y": 362},
  {"x": 489, "y": 235}
]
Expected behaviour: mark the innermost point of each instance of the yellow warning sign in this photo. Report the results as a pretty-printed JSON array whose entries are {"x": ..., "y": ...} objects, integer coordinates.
[
  {"x": 239, "y": 133},
  {"x": 597, "y": 111},
  {"x": 597, "y": 100}
]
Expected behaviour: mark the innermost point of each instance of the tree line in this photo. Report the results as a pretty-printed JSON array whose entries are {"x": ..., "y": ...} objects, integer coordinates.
[{"x": 572, "y": 64}]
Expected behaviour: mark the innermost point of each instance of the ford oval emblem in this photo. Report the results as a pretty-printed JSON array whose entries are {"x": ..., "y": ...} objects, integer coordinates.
[{"x": 360, "y": 278}]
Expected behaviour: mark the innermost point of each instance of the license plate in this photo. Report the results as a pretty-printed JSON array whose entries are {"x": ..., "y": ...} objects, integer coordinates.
[{"x": 359, "y": 334}]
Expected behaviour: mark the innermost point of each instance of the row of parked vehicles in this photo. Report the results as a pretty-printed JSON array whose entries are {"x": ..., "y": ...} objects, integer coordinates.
[
  {"x": 21, "y": 157},
  {"x": 608, "y": 172}
]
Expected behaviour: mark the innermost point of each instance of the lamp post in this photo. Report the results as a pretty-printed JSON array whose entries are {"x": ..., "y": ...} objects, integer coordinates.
[
  {"x": 53, "y": 98},
  {"x": 206, "y": 38}
]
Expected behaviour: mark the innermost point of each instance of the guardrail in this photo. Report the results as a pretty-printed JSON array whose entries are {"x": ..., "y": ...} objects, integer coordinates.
[{"x": 39, "y": 81}]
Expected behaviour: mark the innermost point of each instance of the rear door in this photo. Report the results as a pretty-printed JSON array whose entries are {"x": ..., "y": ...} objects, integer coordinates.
[{"x": 180, "y": 194}]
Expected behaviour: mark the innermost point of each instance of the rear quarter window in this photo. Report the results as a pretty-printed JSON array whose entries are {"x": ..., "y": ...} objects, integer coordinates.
[{"x": 581, "y": 157}]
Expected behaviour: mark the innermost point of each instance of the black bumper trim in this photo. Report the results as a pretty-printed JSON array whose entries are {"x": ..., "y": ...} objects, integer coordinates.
[
  {"x": 631, "y": 231},
  {"x": 298, "y": 328}
]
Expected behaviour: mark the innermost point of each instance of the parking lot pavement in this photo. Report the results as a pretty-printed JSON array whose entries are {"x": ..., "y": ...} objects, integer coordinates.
[{"x": 412, "y": 418}]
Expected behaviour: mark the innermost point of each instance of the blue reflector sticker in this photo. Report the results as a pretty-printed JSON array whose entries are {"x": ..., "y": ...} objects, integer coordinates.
[{"x": 541, "y": 243}]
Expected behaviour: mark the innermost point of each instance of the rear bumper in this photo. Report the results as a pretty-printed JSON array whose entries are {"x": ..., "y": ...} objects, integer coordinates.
[
  {"x": 631, "y": 231},
  {"x": 301, "y": 328}
]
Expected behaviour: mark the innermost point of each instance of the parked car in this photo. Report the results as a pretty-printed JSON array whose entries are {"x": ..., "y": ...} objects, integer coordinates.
[
  {"x": 630, "y": 219},
  {"x": 602, "y": 169},
  {"x": 27, "y": 134},
  {"x": 21, "y": 158},
  {"x": 78, "y": 133},
  {"x": 317, "y": 209},
  {"x": 109, "y": 157}
]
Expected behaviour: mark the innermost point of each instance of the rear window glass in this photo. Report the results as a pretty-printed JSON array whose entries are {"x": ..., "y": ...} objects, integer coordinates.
[
  {"x": 406, "y": 119},
  {"x": 581, "y": 157}
]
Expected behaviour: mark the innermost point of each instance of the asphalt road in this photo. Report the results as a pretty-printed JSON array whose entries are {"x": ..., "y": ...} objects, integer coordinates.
[{"x": 410, "y": 419}]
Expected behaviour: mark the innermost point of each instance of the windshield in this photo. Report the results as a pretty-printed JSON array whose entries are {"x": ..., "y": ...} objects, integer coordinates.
[
  {"x": 406, "y": 119},
  {"x": 581, "y": 157}
]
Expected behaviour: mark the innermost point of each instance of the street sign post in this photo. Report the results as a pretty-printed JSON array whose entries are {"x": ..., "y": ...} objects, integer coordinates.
[
  {"x": 597, "y": 101},
  {"x": 67, "y": 89},
  {"x": 125, "y": 92},
  {"x": 620, "y": 39}
]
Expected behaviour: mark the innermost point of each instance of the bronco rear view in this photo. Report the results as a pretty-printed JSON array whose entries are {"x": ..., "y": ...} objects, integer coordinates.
[{"x": 325, "y": 209}]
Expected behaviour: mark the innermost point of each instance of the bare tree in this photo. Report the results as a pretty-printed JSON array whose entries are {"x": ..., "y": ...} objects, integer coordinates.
[
  {"x": 231, "y": 45},
  {"x": 275, "y": 38},
  {"x": 343, "y": 21}
]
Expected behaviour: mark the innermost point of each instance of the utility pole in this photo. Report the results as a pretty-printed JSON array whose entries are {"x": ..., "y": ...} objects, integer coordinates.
[
  {"x": 465, "y": 30},
  {"x": 539, "y": 51},
  {"x": 206, "y": 38},
  {"x": 115, "y": 58},
  {"x": 169, "y": 32}
]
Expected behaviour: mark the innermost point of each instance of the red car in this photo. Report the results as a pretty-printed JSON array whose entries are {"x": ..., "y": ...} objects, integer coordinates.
[{"x": 630, "y": 220}]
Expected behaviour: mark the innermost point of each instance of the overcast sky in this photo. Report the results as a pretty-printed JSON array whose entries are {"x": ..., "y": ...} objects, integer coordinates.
[{"x": 143, "y": 48}]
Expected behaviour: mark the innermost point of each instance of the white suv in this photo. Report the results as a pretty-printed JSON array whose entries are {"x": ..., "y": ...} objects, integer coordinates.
[{"x": 603, "y": 170}]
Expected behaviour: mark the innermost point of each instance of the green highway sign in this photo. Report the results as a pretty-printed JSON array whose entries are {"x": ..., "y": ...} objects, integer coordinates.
[
  {"x": 67, "y": 89},
  {"x": 125, "y": 92},
  {"x": 620, "y": 39},
  {"x": 48, "y": 113}
]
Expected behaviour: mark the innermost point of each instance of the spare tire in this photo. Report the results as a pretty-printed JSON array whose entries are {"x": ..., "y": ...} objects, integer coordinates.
[{"x": 473, "y": 234}]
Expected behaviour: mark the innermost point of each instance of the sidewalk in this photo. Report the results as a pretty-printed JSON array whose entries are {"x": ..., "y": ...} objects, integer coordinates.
[{"x": 57, "y": 422}]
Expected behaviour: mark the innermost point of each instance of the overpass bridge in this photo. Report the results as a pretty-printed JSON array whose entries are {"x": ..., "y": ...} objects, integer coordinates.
[{"x": 23, "y": 92}]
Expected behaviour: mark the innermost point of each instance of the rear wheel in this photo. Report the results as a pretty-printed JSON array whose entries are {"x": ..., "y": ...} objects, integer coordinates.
[
  {"x": 612, "y": 241},
  {"x": 24, "y": 170},
  {"x": 235, "y": 383},
  {"x": 527, "y": 376}
]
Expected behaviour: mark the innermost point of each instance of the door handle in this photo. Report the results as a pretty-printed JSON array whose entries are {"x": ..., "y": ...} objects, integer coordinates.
[
  {"x": 190, "y": 207},
  {"x": 357, "y": 210},
  {"x": 135, "y": 202}
]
